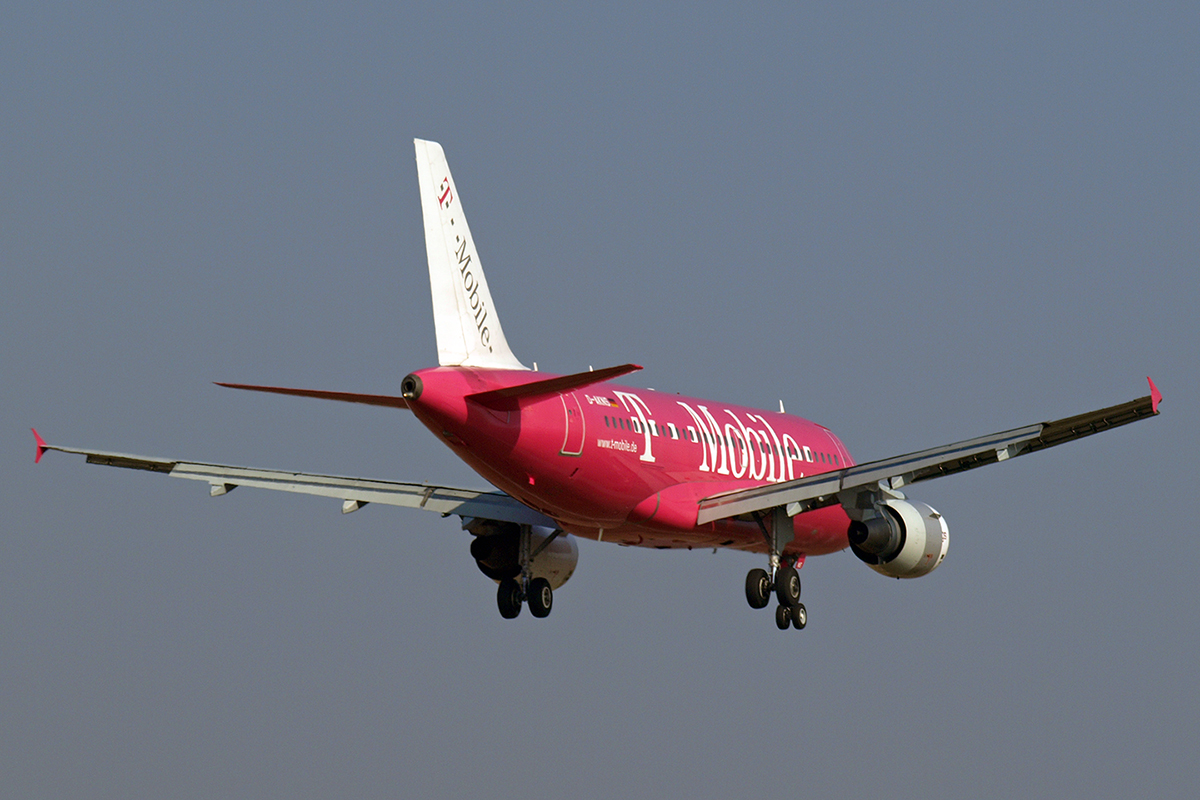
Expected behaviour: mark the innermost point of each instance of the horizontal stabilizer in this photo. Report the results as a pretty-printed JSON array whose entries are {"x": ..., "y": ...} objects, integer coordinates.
[
  {"x": 344, "y": 397},
  {"x": 510, "y": 398}
]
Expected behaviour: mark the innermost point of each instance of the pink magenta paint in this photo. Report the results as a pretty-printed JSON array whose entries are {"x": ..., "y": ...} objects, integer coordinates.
[{"x": 642, "y": 460}]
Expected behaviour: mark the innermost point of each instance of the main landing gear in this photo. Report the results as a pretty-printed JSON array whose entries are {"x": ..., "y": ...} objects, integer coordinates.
[
  {"x": 790, "y": 613},
  {"x": 783, "y": 579},
  {"x": 510, "y": 596},
  {"x": 525, "y": 588}
]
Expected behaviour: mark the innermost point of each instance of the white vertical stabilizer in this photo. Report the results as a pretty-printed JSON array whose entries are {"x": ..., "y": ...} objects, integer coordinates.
[{"x": 464, "y": 316}]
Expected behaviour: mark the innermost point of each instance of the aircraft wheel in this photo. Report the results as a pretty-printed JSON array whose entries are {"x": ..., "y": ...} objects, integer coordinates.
[
  {"x": 541, "y": 597},
  {"x": 508, "y": 598},
  {"x": 758, "y": 588},
  {"x": 783, "y": 617},
  {"x": 799, "y": 616},
  {"x": 787, "y": 586}
]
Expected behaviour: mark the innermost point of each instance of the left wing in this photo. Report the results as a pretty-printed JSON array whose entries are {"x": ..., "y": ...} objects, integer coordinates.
[
  {"x": 822, "y": 490},
  {"x": 353, "y": 492}
]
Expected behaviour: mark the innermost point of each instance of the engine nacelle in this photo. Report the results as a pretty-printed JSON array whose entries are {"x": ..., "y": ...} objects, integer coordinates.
[
  {"x": 496, "y": 550},
  {"x": 906, "y": 540}
]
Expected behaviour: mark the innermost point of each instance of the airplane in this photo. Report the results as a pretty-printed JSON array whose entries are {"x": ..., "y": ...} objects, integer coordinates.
[{"x": 578, "y": 456}]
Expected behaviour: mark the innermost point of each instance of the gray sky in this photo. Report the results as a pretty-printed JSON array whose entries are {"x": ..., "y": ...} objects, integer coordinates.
[{"x": 913, "y": 223}]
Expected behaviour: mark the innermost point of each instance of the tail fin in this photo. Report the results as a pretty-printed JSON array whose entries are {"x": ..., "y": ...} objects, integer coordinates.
[{"x": 464, "y": 316}]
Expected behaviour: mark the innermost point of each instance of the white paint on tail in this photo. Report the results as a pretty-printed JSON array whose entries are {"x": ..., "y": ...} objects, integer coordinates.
[{"x": 464, "y": 316}]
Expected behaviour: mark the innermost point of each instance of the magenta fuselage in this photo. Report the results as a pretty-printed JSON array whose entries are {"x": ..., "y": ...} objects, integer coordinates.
[{"x": 630, "y": 465}]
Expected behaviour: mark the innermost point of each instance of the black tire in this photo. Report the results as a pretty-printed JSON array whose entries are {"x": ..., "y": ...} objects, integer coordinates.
[
  {"x": 783, "y": 617},
  {"x": 508, "y": 598},
  {"x": 758, "y": 588},
  {"x": 541, "y": 597},
  {"x": 787, "y": 586},
  {"x": 799, "y": 616}
]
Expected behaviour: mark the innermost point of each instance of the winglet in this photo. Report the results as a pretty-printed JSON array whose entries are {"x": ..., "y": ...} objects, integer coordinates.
[
  {"x": 1155, "y": 395},
  {"x": 41, "y": 446}
]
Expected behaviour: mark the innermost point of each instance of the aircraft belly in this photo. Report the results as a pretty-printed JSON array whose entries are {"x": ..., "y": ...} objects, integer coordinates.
[{"x": 819, "y": 532}]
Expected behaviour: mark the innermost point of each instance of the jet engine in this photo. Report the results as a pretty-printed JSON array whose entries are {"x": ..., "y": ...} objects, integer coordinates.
[
  {"x": 905, "y": 539},
  {"x": 496, "y": 549}
]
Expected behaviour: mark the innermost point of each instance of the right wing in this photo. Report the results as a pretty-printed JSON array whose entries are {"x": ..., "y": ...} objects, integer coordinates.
[
  {"x": 353, "y": 492},
  {"x": 817, "y": 491}
]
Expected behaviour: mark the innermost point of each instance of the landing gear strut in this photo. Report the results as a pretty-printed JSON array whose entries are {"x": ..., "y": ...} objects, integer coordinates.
[
  {"x": 526, "y": 588},
  {"x": 782, "y": 578}
]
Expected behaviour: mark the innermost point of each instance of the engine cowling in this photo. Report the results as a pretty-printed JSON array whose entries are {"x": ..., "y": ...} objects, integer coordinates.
[
  {"x": 496, "y": 550},
  {"x": 906, "y": 539}
]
